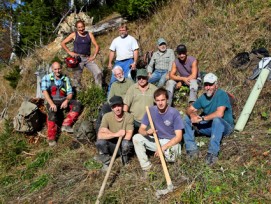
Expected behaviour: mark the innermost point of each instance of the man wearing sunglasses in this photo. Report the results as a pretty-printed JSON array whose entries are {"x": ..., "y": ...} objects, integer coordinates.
[
  {"x": 138, "y": 97},
  {"x": 184, "y": 72},
  {"x": 215, "y": 121}
]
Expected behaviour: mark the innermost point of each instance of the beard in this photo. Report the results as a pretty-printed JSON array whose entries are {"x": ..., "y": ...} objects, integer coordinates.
[
  {"x": 120, "y": 79},
  {"x": 123, "y": 35}
]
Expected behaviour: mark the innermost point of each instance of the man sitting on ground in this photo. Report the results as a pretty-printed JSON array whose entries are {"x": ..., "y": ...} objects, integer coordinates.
[
  {"x": 169, "y": 127},
  {"x": 138, "y": 97},
  {"x": 115, "y": 124},
  {"x": 216, "y": 120},
  {"x": 57, "y": 91},
  {"x": 161, "y": 63},
  {"x": 118, "y": 88},
  {"x": 184, "y": 72}
]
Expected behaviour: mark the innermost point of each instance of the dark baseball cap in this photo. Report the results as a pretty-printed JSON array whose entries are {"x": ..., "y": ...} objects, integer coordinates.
[
  {"x": 181, "y": 49},
  {"x": 115, "y": 100}
]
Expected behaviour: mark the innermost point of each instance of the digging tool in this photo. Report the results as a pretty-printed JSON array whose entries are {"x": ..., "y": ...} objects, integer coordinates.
[
  {"x": 108, "y": 170},
  {"x": 161, "y": 155}
]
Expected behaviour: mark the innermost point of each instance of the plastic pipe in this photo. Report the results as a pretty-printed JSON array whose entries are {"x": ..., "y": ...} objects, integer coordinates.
[{"x": 243, "y": 118}]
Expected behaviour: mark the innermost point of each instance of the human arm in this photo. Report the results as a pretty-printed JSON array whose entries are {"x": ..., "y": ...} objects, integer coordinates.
[
  {"x": 68, "y": 39},
  {"x": 194, "y": 70},
  {"x": 219, "y": 113},
  {"x": 150, "y": 66},
  {"x": 175, "y": 140},
  {"x": 65, "y": 103},
  {"x": 133, "y": 65},
  {"x": 47, "y": 97},
  {"x": 110, "y": 60},
  {"x": 125, "y": 108},
  {"x": 97, "y": 48},
  {"x": 143, "y": 130},
  {"x": 105, "y": 133}
]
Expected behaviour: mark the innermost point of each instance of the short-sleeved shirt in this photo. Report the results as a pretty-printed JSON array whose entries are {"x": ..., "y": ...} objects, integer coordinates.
[
  {"x": 166, "y": 124},
  {"x": 120, "y": 88},
  {"x": 185, "y": 69},
  {"x": 137, "y": 101},
  {"x": 124, "y": 47},
  {"x": 46, "y": 83},
  {"x": 161, "y": 60},
  {"x": 220, "y": 98},
  {"x": 113, "y": 125}
]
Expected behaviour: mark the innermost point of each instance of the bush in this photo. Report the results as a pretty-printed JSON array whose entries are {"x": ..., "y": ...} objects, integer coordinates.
[
  {"x": 92, "y": 99},
  {"x": 13, "y": 77}
]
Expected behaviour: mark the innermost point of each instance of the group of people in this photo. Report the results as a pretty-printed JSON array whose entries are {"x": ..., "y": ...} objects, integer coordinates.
[{"x": 131, "y": 91}]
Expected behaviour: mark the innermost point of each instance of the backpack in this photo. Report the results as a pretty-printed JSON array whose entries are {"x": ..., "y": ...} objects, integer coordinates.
[
  {"x": 84, "y": 131},
  {"x": 28, "y": 118}
]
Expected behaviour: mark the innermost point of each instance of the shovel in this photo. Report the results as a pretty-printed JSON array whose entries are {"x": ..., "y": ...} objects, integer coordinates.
[
  {"x": 108, "y": 170},
  {"x": 164, "y": 165}
]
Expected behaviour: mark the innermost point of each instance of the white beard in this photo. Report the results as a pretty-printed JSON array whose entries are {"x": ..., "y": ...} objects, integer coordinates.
[{"x": 120, "y": 79}]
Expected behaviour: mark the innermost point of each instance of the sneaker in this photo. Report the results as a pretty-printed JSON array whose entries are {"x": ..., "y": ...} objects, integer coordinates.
[
  {"x": 191, "y": 155},
  {"x": 211, "y": 159},
  {"x": 146, "y": 172},
  {"x": 67, "y": 129},
  {"x": 52, "y": 143},
  {"x": 103, "y": 158}
]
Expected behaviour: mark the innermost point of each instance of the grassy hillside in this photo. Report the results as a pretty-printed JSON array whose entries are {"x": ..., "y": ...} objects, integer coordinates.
[{"x": 214, "y": 32}]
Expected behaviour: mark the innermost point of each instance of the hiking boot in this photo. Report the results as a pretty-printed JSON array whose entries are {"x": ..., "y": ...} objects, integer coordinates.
[
  {"x": 146, "y": 172},
  {"x": 191, "y": 155},
  {"x": 103, "y": 158},
  {"x": 125, "y": 159},
  {"x": 52, "y": 143},
  {"x": 211, "y": 159},
  {"x": 67, "y": 129}
]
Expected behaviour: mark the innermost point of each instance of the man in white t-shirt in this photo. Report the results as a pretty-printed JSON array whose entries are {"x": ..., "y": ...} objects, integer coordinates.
[{"x": 125, "y": 48}]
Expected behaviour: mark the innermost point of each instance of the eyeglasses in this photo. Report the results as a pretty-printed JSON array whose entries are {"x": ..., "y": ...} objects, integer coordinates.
[
  {"x": 208, "y": 84},
  {"x": 141, "y": 77}
]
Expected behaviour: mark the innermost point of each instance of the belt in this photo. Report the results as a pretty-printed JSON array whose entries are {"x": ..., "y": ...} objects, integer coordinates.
[
  {"x": 125, "y": 60},
  {"x": 83, "y": 55}
]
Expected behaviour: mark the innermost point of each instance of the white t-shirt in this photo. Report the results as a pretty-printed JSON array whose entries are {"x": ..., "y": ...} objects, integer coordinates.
[{"x": 124, "y": 47}]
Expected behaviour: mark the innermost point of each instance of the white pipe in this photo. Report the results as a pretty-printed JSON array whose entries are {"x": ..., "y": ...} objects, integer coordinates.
[{"x": 243, "y": 118}]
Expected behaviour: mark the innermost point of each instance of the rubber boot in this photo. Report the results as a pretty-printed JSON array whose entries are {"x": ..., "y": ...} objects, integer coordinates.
[{"x": 51, "y": 130}]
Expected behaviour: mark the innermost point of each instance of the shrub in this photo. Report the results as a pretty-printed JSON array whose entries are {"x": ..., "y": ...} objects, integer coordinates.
[{"x": 13, "y": 77}]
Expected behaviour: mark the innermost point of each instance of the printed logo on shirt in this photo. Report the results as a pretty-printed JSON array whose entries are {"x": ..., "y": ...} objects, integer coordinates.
[{"x": 167, "y": 122}]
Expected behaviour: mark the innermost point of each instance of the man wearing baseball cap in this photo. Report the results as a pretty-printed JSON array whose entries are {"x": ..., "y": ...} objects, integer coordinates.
[
  {"x": 160, "y": 63},
  {"x": 138, "y": 96},
  {"x": 184, "y": 72},
  {"x": 215, "y": 121},
  {"x": 115, "y": 124}
]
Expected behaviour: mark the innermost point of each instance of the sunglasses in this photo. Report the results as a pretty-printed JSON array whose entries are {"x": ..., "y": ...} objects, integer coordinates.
[
  {"x": 208, "y": 84},
  {"x": 141, "y": 77}
]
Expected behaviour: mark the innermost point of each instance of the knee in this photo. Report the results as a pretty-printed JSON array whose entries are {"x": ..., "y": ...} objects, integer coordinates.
[
  {"x": 137, "y": 138},
  {"x": 100, "y": 144},
  {"x": 194, "y": 84},
  {"x": 126, "y": 146}
]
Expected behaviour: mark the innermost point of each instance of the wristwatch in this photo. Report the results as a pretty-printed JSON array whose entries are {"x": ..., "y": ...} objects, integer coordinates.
[{"x": 202, "y": 118}]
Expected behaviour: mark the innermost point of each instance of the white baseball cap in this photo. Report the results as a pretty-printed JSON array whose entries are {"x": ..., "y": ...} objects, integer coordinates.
[{"x": 210, "y": 78}]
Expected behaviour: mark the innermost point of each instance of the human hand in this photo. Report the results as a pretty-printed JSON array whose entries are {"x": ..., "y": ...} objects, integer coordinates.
[
  {"x": 53, "y": 107},
  {"x": 121, "y": 133},
  {"x": 196, "y": 119},
  {"x": 178, "y": 85},
  {"x": 163, "y": 148},
  {"x": 64, "y": 104},
  {"x": 91, "y": 58},
  {"x": 109, "y": 66},
  {"x": 133, "y": 66}
]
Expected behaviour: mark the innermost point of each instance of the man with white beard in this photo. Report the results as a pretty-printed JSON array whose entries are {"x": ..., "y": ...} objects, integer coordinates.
[
  {"x": 119, "y": 87},
  {"x": 215, "y": 121}
]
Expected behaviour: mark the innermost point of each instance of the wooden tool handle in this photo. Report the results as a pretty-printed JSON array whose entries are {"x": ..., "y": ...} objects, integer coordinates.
[{"x": 161, "y": 155}]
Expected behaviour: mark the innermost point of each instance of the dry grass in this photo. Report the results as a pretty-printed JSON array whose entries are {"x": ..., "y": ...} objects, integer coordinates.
[{"x": 214, "y": 31}]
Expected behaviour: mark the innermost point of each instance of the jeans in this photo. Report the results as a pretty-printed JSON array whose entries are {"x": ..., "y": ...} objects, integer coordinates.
[
  {"x": 159, "y": 75},
  {"x": 125, "y": 65},
  {"x": 143, "y": 143},
  {"x": 215, "y": 129}
]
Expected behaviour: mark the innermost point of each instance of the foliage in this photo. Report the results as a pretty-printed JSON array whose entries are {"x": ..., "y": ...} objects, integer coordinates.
[
  {"x": 11, "y": 147},
  {"x": 135, "y": 8},
  {"x": 39, "y": 183},
  {"x": 13, "y": 76},
  {"x": 181, "y": 96},
  {"x": 92, "y": 98}
]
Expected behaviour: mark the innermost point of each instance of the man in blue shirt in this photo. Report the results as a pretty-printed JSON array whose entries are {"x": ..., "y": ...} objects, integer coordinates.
[
  {"x": 215, "y": 121},
  {"x": 57, "y": 91},
  {"x": 168, "y": 126}
]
